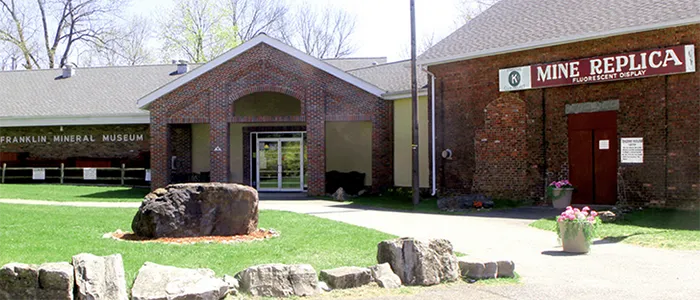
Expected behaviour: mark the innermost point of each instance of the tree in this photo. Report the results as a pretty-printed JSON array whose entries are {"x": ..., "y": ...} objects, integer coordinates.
[
  {"x": 198, "y": 30},
  {"x": 127, "y": 45},
  {"x": 323, "y": 34},
  {"x": 468, "y": 9},
  {"x": 252, "y": 17},
  {"x": 45, "y": 29}
]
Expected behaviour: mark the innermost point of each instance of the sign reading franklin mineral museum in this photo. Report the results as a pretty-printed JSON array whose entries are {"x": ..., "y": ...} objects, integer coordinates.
[
  {"x": 666, "y": 61},
  {"x": 34, "y": 139}
]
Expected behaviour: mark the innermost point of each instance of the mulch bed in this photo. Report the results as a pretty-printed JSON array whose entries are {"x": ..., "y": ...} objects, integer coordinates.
[{"x": 258, "y": 235}]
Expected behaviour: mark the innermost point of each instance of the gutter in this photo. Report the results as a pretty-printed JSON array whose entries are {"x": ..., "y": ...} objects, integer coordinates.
[{"x": 433, "y": 184}]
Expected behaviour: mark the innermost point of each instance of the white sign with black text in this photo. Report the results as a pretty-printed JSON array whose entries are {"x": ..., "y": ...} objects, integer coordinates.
[
  {"x": 90, "y": 174},
  {"x": 632, "y": 150},
  {"x": 38, "y": 174}
]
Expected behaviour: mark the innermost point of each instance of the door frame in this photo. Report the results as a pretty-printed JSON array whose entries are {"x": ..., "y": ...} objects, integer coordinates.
[{"x": 256, "y": 159}]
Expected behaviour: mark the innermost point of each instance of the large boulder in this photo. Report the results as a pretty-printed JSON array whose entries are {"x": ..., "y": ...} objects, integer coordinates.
[
  {"x": 419, "y": 262},
  {"x": 277, "y": 280},
  {"x": 346, "y": 277},
  {"x": 99, "y": 277},
  {"x": 385, "y": 277},
  {"x": 198, "y": 209},
  {"x": 158, "y": 282}
]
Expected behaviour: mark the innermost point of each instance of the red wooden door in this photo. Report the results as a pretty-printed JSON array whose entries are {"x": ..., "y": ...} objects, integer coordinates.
[
  {"x": 581, "y": 165},
  {"x": 593, "y": 157}
]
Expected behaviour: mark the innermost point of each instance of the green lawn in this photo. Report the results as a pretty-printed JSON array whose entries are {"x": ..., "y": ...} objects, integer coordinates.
[
  {"x": 37, "y": 234},
  {"x": 650, "y": 228},
  {"x": 65, "y": 193}
]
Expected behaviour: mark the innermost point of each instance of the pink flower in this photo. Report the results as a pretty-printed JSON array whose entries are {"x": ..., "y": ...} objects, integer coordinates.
[
  {"x": 576, "y": 210},
  {"x": 586, "y": 208},
  {"x": 591, "y": 219},
  {"x": 569, "y": 208},
  {"x": 594, "y": 214}
]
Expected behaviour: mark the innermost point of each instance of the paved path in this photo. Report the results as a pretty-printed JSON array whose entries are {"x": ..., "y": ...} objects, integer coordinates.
[{"x": 609, "y": 271}]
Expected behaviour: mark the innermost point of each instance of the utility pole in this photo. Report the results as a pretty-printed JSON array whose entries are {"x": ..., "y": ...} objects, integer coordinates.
[{"x": 414, "y": 104}]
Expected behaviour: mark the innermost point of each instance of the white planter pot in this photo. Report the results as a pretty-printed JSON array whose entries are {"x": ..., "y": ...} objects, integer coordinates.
[
  {"x": 561, "y": 198},
  {"x": 573, "y": 243}
]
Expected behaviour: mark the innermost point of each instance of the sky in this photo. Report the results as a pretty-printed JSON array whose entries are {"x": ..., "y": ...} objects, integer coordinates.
[{"x": 382, "y": 26}]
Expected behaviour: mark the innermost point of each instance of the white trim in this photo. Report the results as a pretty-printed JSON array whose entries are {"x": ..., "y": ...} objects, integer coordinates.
[
  {"x": 75, "y": 120},
  {"x": 403, "y": 95},
  {"x": 261, "y": 38},
  {"x": 558, "y": 41}
]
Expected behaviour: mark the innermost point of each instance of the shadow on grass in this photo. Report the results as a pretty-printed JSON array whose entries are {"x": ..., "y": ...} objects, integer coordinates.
[
  {"x": 663, "y": 219},
  {"x": 615, "y": 239},
  {"x": 561, "y": 253},
  {"x": 132, "y": 193}
]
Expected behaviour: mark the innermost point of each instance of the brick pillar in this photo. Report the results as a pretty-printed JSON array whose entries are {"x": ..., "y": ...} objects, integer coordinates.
[
  {"x": 382, "y": 145},
  {"x": 160, "y": 152},
  {"x": 315, "y": 113},
  {"x": 219, "y": 136}
]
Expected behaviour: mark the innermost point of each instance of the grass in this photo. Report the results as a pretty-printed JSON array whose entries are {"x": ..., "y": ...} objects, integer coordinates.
[
  {"x": 70, "y": 193},
  {"x": 656, "y": 228},
  {"x": 428, "y": 205},
  {"x": 38, "y": 234}
]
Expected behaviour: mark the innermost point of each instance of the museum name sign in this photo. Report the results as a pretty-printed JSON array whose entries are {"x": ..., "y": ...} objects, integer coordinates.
[
  {"x": 666, "y": 61},
  {"x": 35, "y": 139}
]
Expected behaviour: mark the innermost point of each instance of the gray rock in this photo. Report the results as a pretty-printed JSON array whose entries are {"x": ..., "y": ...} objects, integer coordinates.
[
  {"x": 198, "y": 209},
  {"x": 233, "y": 284},
  {"x": 340, "y": 195},
  {"x": 490, "y": 270},
  {"x": 158, "y": 282},
  {"x": 56, "y": 280},
  {"x": 420, "y": 262},
  {"x": 471, "y": 268},
  {"x": 346, "y": 277},
  {"x": 506, "y": 269},
  {"x": 277, "y": 280},
  {"x": 384, "y": 276},
  {"x": 323, "y": 286},
  {"x": 607, "y": 216},
  {"x": 99, "y": 277},
  {"x": 19, "y": 281}
]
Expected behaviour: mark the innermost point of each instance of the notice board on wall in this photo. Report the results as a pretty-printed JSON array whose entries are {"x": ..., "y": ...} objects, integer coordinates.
[{"x": 632, "y": 150}]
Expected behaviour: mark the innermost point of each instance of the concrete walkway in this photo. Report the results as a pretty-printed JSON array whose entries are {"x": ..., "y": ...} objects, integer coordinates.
[{"x": 609, "y": 271}]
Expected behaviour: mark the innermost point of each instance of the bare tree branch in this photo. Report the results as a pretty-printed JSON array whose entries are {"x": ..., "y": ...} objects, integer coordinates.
[{"x": 324, "y": 33}]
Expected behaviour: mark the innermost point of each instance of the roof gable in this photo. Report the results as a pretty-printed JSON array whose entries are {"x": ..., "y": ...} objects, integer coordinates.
[
  {"x": 517, "y": 25},
  {"x": 261, "y": 38}
]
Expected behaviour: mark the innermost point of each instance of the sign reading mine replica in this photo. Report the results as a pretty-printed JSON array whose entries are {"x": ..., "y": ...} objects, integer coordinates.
[{"x": 666, "y": 61}]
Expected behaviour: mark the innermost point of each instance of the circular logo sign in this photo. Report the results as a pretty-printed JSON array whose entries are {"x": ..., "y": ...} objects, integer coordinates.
[{"x": 514, "y": 78}]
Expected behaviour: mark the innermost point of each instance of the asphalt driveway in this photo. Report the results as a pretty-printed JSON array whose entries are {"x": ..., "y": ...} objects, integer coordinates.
[{"x": 609, "y": 271}]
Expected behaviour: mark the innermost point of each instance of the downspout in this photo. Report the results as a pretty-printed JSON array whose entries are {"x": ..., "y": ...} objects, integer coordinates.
[{"x": 433, "y": 188}]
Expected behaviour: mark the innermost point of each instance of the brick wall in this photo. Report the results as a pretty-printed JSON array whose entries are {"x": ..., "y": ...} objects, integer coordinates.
[
  {"x": 210, "y": 97},
  {"x": 664, "y": 110},
  {"x": 118, "y": 143},
  {"x": 181, "y": 143}
]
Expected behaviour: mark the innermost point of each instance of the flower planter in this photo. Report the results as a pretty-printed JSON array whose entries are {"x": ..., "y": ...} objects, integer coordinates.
[
  {"x": 561, "y": 198},
  {"x": 573, "y": 242}
]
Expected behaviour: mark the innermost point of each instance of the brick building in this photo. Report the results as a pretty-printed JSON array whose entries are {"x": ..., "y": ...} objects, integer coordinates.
[
  {"x": 262, "y": 114},
  {"x": 602, "y": 92}
]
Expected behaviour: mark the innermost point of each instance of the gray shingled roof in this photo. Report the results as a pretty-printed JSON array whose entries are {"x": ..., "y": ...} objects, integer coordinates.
[
  {"x": 533, "y": 23},
  {"x": 394, "y": 77},
  {"x": 91, "y": 91},
  {"x": 351, "y": 63}
]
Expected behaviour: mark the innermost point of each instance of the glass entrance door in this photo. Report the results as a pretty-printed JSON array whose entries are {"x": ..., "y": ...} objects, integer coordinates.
[{"x": 280, "y": 164}]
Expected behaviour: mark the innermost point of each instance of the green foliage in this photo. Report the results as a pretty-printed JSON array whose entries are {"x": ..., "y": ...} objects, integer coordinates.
[
  {"x": 38, "y": 234},
  {"x": 572, "y": 228}
]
